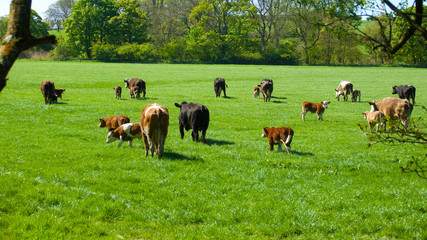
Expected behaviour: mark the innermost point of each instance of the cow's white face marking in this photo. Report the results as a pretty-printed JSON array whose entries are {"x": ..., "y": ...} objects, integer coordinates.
[
  {"x": 337, "y": 94},
  {"x": 372, "y": 109},
  {"x": 325, "y": 104},
  {"x": 110, "y": 137}
]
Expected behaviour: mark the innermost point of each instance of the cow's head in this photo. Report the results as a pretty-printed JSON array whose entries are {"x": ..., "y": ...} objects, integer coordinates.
[
  {"x": 264, "y": 132},
  {"x": 102, "y": 122},
  {"x": 364, "y": 114},
  {"x": 325, "y": 104},
  {"x": 180, "y": 105},
  {"x": 374, "y": 106},
  {"x": 110, "y": 137},
  {"x": 337, "y": 93},
  {"x": 127, "y": 83},
  {"x": 394, "y": 90}
]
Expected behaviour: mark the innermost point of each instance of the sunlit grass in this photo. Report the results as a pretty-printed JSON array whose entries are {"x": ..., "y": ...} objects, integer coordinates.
[{"x": 59, "y": 179}]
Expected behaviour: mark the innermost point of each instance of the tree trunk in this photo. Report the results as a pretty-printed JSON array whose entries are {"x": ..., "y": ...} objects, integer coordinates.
[{"x": 18, "y": 37}]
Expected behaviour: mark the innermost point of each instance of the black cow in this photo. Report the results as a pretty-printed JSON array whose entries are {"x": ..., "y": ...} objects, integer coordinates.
[
  {"x": 136, "y": 86},
  {"x": 193, "y": 116},
  {"x": 219, "y": 85},
  {"x": 405, "y": 91}
]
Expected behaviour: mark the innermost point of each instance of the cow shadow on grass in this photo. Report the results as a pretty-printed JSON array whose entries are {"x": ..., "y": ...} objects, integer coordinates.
[
  {"x": 228, "y": 97},
  {"x": 172, "y": 156},
  {"x": 302, "y": 153},
  {"x": 211, "y": 142}
]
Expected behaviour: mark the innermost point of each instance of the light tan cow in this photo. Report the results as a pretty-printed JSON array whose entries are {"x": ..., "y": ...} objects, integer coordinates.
[
  {"x": 375, "y": 117},
  {"x": 154, "y": 126}
]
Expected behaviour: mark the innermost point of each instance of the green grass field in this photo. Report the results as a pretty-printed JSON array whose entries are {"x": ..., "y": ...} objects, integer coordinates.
[{"x": 60, "y": 179}]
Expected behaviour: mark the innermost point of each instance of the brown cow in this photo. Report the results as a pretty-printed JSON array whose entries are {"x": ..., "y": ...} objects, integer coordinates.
[
  {"x": 355, "y": 95},
  {"x": 136, "y": 86},
  {"x": 266, "y": 89},
  {"x": 375, "y": 117},
  {"x": 318, "y": 108},
  {"x": 126, "y": 132},
  {"x": 256, "y": 92},
  {"x": 118, "y": 92},
  {"x": 154, "y": 127},
  {"x": 113, "y": 122},
  {"x": 277, "y": 136},
  {"x": 395, "y": 108},
  {"x": 48, "y": 90}
]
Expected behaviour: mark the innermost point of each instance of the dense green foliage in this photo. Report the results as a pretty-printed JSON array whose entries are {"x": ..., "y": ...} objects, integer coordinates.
[{"x": 59, "y": 179}]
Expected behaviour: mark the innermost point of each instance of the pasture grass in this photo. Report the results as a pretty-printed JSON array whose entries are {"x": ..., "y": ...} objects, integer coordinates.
[{"x": 59, "y": 179}]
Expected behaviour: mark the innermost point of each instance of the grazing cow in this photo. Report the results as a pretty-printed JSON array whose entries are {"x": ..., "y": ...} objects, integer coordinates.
[
  {"x": 395, "y": 108},
  {"x": 344, "y": 88},
  {"x": 277, "y": 136},
  {"x": 113, "y": 122},
  {"x": 154, "y": 127},
  {"x": 126, "y": 132},
  {"x": 256, "y": 92},
  {"x": 405, "y": 91},
  {"x": 140, "y": 87},
  {"x": 356, "y": 93},
  {"x": 58, "y": 92},
  {"x": 219, "y": 85},
  {"x": 318, "y": 108},
  {"x": 375, "y": 117},
  {"x": 48, "y": 90},
  {"x": 118, "y": 92},
  {"x": 266, "y": 89},
  {"x": 193, "y": 116}
]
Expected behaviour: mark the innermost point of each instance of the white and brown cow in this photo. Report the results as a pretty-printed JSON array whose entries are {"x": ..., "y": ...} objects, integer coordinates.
[
  {"x": 356, "y": 94},
  {"x": 344, "y": 88},
  {"x": 279, "y": 136},
  {"x": 59, "y": 92},
  {"x": 256, "y": 92},
  {"x": 154, "y": 127},
  {"x": 136, "y": 86},
  {"x": 113, "y": 122},
  {"x": 126, "y": 132},
  {"x": 48, "y": 90},
  {"x": 318, "y": 108},
  {"x": 118, "y": 92},
  {"x": 375, "y": 118},
  {"x": 395, "y": 108}
]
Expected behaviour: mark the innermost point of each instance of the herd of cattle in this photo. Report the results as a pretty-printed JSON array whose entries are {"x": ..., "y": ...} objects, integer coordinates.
[{"x": 154, "y": 120}]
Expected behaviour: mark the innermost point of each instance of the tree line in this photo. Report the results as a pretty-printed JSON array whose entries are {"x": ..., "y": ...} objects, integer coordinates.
[{"x": 240, "y": 31}]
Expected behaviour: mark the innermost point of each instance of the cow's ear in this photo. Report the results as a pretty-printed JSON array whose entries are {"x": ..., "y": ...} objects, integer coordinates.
[
  {"x": 371, "y": 103},
  {"x": 177, "y": 105}
]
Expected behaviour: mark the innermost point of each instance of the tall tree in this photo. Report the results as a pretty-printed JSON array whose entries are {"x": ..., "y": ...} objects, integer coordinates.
[
  {"x": 58, "y": 12},
  {"x": 18, "y": 37},
  {"x": 88, "y": 23}
]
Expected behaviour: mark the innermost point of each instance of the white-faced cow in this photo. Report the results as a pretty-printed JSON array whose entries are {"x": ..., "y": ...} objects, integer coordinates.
[
  {"x": 279, "y": 136},
  {"x": 219, "y": 85},
  {"x": 154, "y": 127},
  {"x": 395, "y": 108},
  {"x": 136, "y": 86},
  {"x": 318, "y": 108},
  {"x": 266, "y": 87},
  {"x": 256, "y": 92},
  {"x": 118, "y": 92},
  {"x": 126, "y": 132},
  {"x": 193, "y": 116},
  {"x": 59, "y": 92},
  {"x": 375, "y": 118},
  {"x": 355, "y": 95},
  {"x": 48, "y": 90},
  {"x": 113, "y": 122},
  {"x": 405, "y": 92},
  {"x": 344, "y": 88}
]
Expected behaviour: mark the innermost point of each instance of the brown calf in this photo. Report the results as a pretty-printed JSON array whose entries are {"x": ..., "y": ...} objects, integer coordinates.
[
  {"x": 48, "y": 90},
  {"x": 318, "y": 108},
  {"x": 376, "y": 118},
  {"x": 113, "y": 122},
  {"x": 277, "y": 136},
  {"x": 356, "y": 93},
  {"x": 256, "y": 92}
]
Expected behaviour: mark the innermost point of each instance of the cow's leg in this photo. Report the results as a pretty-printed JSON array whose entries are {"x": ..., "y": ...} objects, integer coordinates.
[
  {"x": 203, "y": 139},
  {"x": 181, "y": 130},
  {"x": 195, "y": 135},
  {"x": 120, "y": 142},
  {"x": 143, "y": 96},
  {"x": 146, "y": 146},
  {"x": 279, "y": 149},
  {"x": 130, "y": 143},
  {"x": 271, "y": 144},
  {"x": 225, "y": 95}
]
